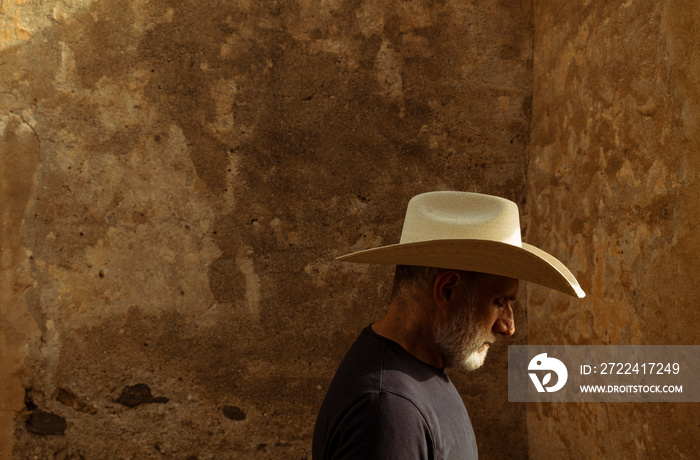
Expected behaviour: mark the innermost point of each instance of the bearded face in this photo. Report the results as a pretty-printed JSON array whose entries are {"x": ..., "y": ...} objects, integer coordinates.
[{"x": 463, "y": 338}]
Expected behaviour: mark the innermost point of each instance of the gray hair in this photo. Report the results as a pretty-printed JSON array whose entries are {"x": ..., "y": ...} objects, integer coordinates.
[{"x": 409, "y": 278}]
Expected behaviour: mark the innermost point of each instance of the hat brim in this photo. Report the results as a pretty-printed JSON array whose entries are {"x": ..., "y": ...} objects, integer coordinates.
[{"x": 528, "y": 263}]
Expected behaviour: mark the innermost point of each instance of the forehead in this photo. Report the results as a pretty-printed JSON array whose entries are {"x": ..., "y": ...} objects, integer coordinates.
[{"x": 495, "y": 285}]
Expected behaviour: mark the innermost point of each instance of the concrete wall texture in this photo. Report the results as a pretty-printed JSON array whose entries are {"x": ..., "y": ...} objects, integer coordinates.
[
  {"x": 177, "y": 178},
  {"x": 181, "y": 177},
  {"x": 613, "y": 188}
]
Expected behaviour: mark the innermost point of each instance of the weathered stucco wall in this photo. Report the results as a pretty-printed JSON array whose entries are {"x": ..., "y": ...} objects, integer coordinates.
[
  {"x": 613, "y": 186},
  {"x": 181, "y": 176}
]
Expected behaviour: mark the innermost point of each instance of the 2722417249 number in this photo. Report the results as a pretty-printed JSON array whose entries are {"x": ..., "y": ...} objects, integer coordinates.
[{"x": 639, "y": 368}]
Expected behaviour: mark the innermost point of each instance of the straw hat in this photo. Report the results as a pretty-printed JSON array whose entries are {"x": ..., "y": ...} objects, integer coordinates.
[{"x": 472, "y": 232}]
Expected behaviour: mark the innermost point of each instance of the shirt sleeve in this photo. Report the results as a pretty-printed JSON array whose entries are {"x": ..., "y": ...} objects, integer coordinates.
[{"x": 382, "y": 426}]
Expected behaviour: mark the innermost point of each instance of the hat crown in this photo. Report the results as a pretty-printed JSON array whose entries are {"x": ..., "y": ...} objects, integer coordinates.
[{"x": 461, "y": 215}]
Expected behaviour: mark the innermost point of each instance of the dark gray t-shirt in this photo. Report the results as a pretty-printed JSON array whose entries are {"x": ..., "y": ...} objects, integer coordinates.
[{"x": 384, "y": 403}]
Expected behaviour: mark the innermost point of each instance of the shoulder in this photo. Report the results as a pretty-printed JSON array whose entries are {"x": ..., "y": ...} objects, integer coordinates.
[
  {"x": 369, "y": 411},
  {"x": 382, "y": 425},
  {"x": 383, "y": 400},
  {"x": 387, "y": 408}
]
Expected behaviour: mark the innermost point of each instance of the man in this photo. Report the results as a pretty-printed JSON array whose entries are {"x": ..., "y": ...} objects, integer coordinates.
[{"x": 459, "y": 262}]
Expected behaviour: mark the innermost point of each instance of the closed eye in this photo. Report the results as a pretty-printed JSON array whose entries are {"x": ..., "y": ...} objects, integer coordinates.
[{"x": 503, "y": 302}]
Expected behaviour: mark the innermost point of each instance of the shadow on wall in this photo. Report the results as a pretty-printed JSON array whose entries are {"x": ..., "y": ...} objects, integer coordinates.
[{"x": 198, "y": 171}]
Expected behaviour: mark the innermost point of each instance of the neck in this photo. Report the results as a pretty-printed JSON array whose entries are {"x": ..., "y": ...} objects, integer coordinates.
[{"x": 410, "y": 325}]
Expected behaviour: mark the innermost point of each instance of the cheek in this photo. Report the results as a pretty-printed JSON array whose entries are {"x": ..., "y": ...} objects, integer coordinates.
[
  {"x": 483, "y": 325},
  {"x": 492, "y": 321},
  {"x": 487, "y": 316}
]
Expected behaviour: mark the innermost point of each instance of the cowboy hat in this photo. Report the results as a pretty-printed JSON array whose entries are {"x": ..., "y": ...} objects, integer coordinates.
[{"x": 471, "y": 232}]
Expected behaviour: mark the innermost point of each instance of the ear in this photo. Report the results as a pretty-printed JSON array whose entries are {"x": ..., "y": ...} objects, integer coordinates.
[{"x": 447, "y": 289}]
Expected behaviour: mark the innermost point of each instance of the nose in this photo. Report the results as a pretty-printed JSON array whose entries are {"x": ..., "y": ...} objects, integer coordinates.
[{"x": 505, "y": 322}]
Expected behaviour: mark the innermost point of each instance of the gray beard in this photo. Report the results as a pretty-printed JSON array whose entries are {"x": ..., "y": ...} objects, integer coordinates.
[{"x": 460, "y": 339}]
